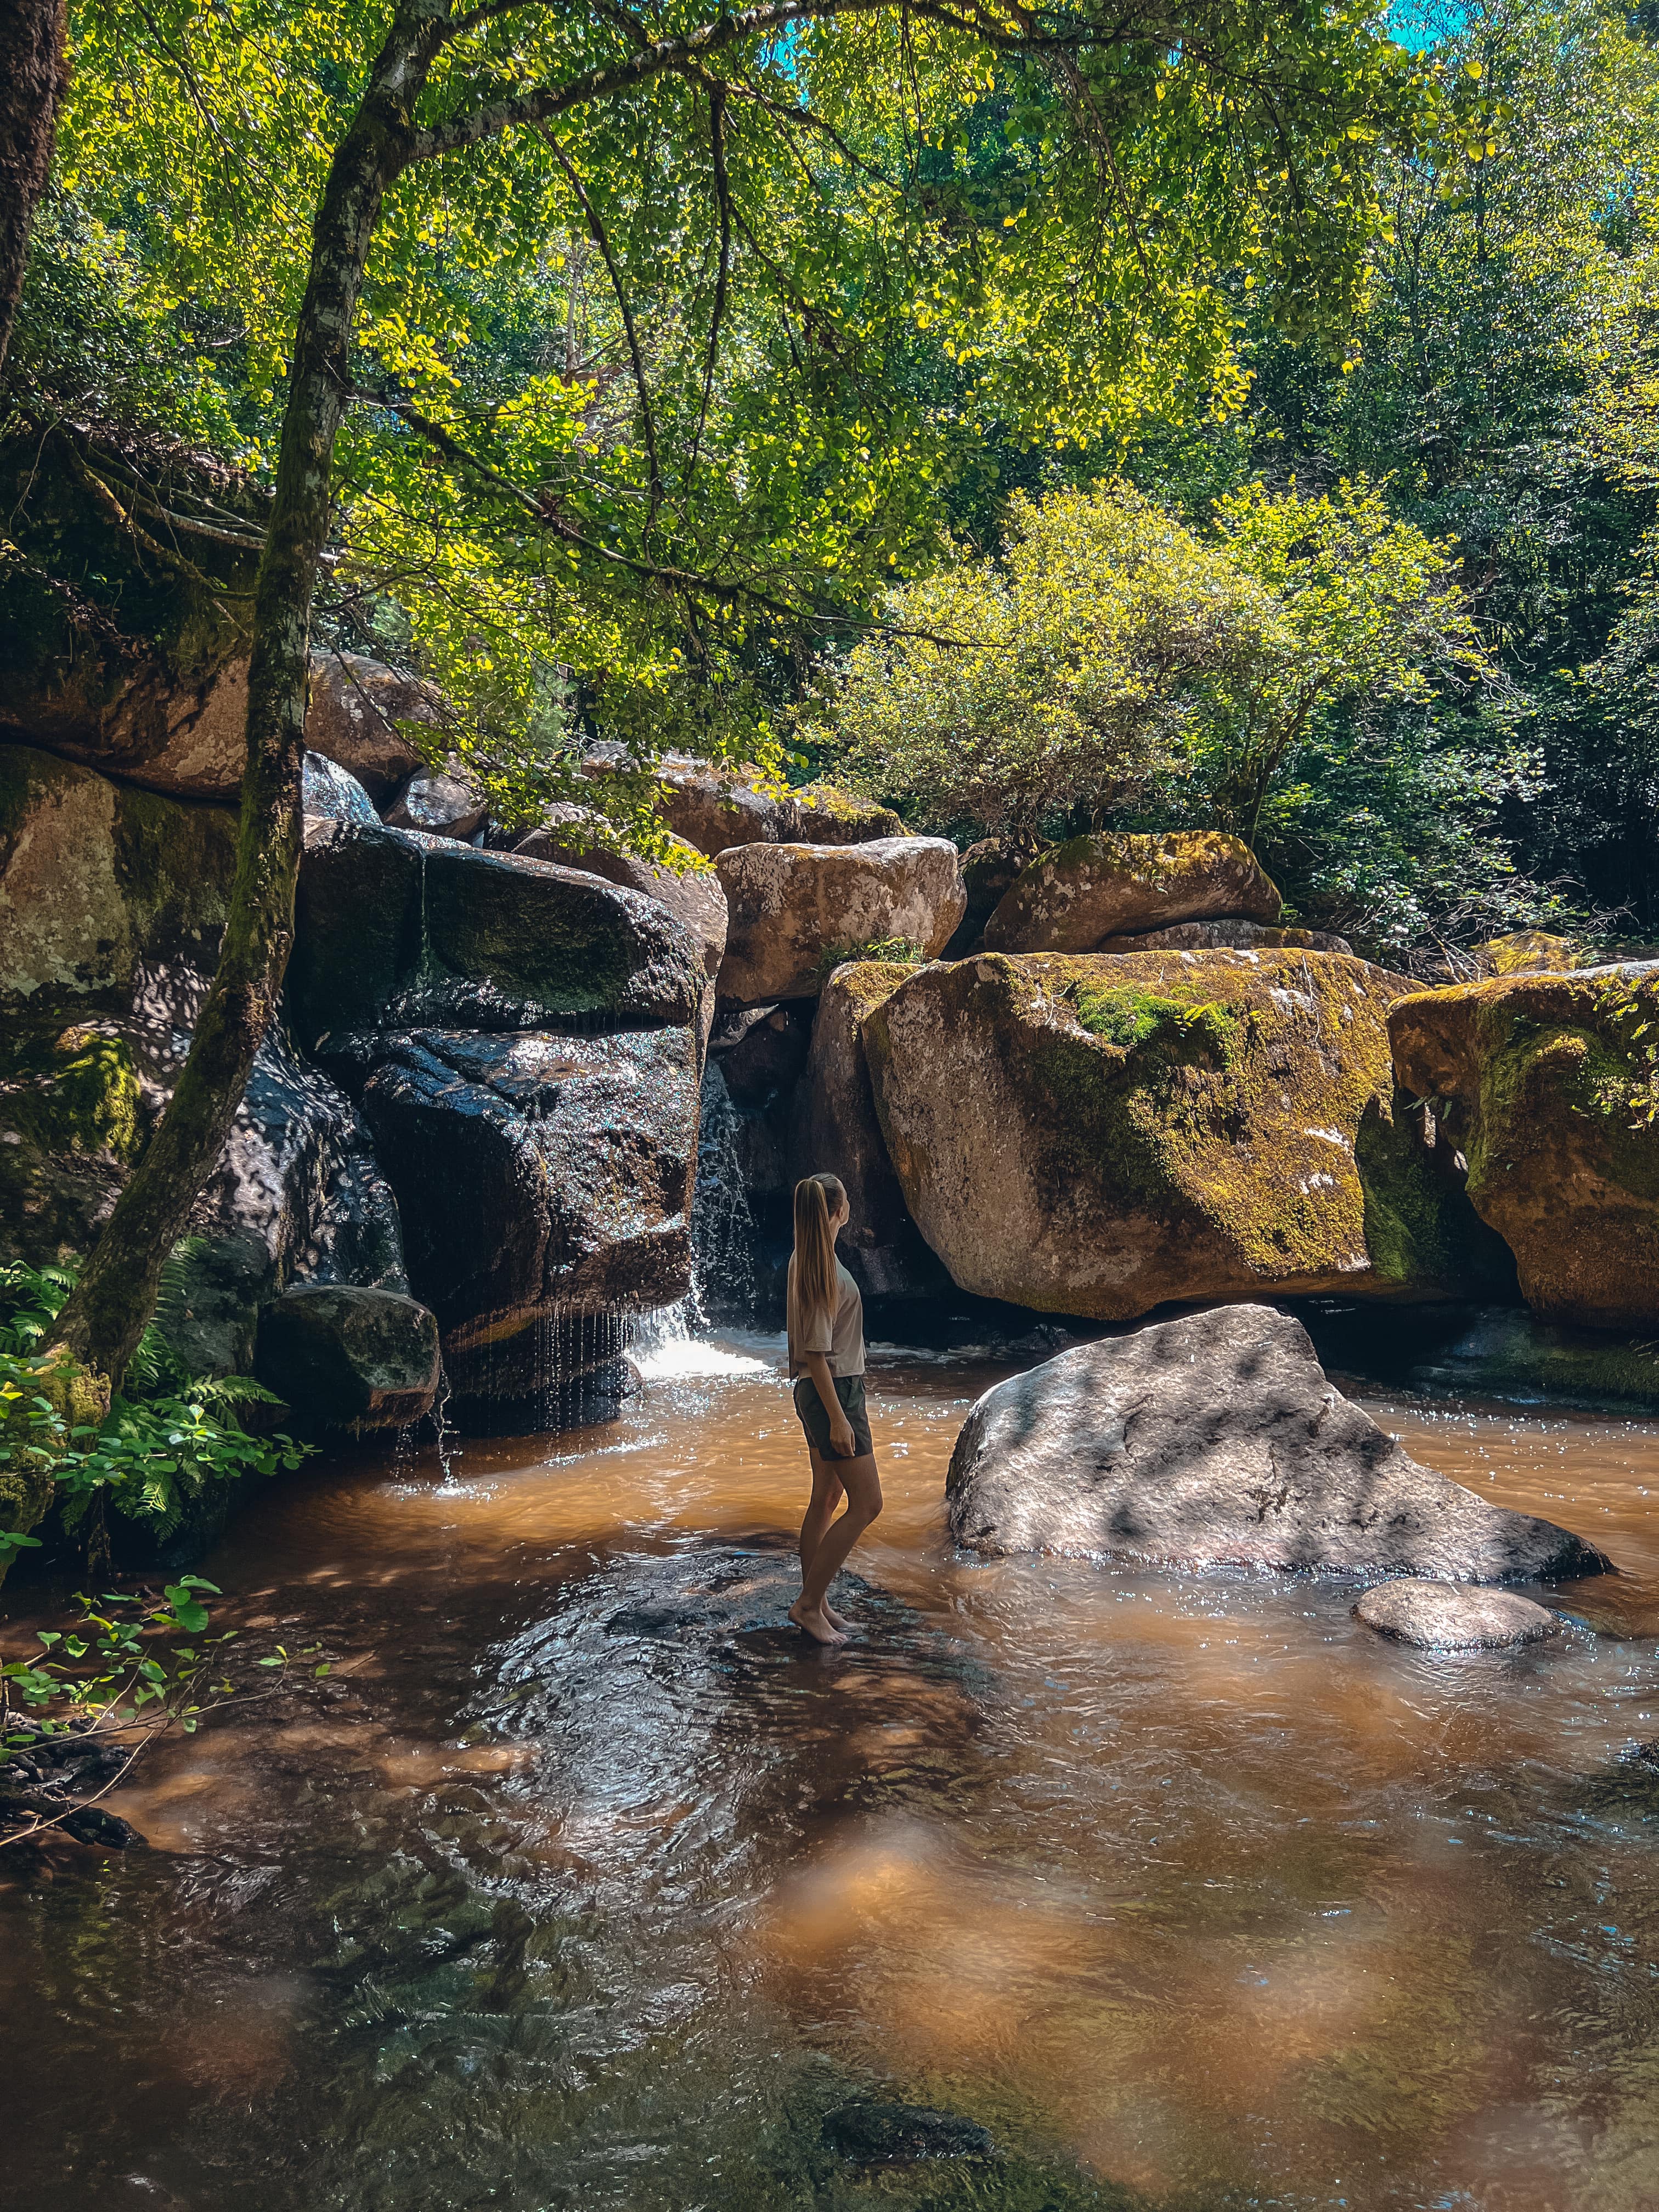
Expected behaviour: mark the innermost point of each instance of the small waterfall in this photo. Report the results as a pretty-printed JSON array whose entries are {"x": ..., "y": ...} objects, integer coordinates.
[{"x": 723, "y": 1233}]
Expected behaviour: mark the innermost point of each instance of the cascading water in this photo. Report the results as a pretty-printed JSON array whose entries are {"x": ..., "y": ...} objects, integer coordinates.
[{"x": 723, "y": 1231}]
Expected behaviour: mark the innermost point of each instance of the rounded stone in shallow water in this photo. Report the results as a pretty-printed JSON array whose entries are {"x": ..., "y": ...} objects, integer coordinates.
[
  {"x": 1452, "y": 1617},
  {"x": 903, "y": 2135}
]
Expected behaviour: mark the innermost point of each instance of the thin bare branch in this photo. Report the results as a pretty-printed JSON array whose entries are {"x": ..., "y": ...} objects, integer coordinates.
[{"x": 636, "y": 358}]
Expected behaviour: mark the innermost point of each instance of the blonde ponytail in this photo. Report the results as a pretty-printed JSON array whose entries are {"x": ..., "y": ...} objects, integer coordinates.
[{"x": 816, "y": 1198}]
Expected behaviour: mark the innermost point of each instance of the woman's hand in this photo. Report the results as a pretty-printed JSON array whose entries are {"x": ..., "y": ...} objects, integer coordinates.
[{"x": 843, "y": 1442}]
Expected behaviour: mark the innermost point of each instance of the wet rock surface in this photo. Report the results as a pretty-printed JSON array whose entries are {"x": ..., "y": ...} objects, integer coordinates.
[
  {"x": 1117, "y": 883},
  {"x": 543, "y": 1177},
  {"x": 1217, "y": 1440},
  {"x": 1450, "y": 1617},
  {"x": 903, "y": 2135},
  {"x": 794, "y": 908},
  {"x": 395, "y": 927},
  {"x": 345, "y": 1356},
  {"x": 692, "y": 891},
  {"x": 1100, "y": 1134}
]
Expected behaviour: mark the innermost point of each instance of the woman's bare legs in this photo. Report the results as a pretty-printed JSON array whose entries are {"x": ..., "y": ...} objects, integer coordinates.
[
  {"x": 858, "y": 1477},
  {"x": 827, "y": 1494}
]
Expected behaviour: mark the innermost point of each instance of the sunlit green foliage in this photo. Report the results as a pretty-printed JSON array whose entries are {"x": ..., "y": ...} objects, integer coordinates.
[
  {"x": 654, "y": 399},
  {"x": 169, "y": 1438},
  {"x": 1115, "y": 650}
]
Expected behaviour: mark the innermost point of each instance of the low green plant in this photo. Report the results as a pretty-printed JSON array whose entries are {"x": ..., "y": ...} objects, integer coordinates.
[
  {"x": 1126, "y": 1016},
  {"x": 128, "y": 1668},
  {"x": 169, "y": 1435},
  {"x": 902, "y": 951}
]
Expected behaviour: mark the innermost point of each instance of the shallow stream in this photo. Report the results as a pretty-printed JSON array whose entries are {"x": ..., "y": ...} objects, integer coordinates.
[{"x": 586, "y": 1884}]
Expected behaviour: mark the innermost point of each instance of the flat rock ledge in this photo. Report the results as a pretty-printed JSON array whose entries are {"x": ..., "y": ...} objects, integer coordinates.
[
  {"x": 1217, "y": 1440},
  {"x": 1451, "y": 1617}
]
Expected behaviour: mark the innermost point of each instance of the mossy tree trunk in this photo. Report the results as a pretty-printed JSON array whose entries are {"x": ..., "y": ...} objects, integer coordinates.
[
  {"x": 106, "y": 1316},
  {"x": 33, "y": 75}
]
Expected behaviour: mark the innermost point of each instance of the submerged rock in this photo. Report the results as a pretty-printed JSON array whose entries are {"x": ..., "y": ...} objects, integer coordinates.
[
  {"x": 1098, "y": 1135},
  {"x": 796, "y": 911},
  {"x": 903, "y": 2135},
  {"x": 1216, "y": 1440},
  {"x": 352, "y": 714},
  {"x": 1116, "y": 883},
  {"x": 1548, "y": 1083},
  {"x": 1444, "y": 1617},
  {"x": 836, "y": 1132}
]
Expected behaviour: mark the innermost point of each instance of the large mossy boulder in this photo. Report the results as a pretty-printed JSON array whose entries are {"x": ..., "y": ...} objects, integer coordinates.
[
  {"x": 1548, "y": 1084},
  {"x": 112, "y": 902},
  {"x": 1117, "y": 883},
  {"x": 838, "y": 1131},
  {"x": 1098, "y": 1135},
  {"x": 1216, "y": 1440},
  {"x": 797, "y": 911},
  {"x": 124, "y": 647}
]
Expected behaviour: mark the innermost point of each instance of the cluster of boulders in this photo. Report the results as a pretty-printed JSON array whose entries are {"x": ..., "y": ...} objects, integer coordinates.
[{"x": 1089, "y": 1081}]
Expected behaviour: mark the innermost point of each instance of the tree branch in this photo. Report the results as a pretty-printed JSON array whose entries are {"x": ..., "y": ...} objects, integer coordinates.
[
  {"x": 597, "y": 229},
  {"x": 717, "y": 97}
]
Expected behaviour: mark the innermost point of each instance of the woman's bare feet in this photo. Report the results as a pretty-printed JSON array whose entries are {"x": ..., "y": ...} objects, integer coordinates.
[
  {"x": 835, "y": 1619},
  {"x": 820, "y": 1629}
]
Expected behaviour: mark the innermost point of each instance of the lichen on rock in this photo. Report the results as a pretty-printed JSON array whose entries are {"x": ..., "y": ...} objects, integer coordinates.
[
  {"x": 1549, "y": 1083},
  {"x": 1096, "y": 1134}
]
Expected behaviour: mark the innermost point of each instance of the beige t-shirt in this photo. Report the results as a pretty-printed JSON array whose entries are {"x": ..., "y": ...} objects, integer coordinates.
[{"x": 841, "y": 1338}]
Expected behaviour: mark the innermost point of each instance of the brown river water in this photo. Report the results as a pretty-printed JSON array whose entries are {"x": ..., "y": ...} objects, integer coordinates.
[{"x": 586, "y": 1884}]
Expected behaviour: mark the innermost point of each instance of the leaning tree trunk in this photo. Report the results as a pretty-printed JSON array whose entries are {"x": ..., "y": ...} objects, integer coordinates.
[
  {"x": 32, "y": 76},
  {"x": 107, "y": 1315}
]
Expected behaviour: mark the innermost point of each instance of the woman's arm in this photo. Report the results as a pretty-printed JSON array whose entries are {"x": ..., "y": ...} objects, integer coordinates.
[{"x": 840, "y": 1429}]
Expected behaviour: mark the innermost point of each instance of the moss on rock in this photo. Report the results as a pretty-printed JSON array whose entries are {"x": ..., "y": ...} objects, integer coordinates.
[
  {"x": 1550, "y": 1083},
  {"x": 1098, "y": 1135}
]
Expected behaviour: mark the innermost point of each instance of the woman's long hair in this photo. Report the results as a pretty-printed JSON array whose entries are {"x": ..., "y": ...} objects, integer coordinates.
[{"x": 817, "y": 1198}]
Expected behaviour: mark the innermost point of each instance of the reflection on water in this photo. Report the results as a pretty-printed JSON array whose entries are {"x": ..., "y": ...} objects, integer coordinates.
[{"x": 588, "y": 1884}]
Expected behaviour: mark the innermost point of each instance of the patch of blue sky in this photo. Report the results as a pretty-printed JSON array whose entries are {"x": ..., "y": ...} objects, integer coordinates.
[{"x": 1420, "y": 24}]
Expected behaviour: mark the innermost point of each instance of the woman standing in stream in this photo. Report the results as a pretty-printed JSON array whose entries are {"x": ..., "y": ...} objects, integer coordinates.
[{"x": 826, "y": 1364}]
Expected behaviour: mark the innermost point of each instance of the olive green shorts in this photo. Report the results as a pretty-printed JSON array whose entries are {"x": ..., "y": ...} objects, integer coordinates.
[{"x": 815, "y": 1415}]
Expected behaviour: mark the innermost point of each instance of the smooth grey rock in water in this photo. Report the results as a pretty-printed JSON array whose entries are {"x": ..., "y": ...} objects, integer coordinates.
[
  {"x": 1217, "y": 1439},
  {"x": 1450, "y": 1617}
]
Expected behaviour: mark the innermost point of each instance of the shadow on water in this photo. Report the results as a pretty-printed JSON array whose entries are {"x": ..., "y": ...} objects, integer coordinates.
[{"x": 585, "y": 1883}]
